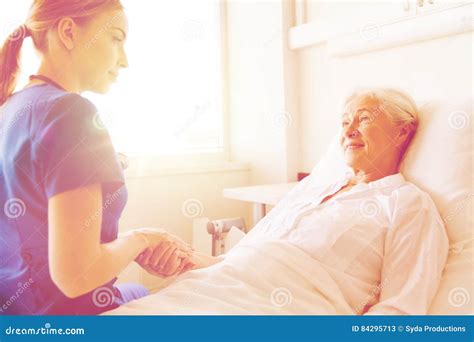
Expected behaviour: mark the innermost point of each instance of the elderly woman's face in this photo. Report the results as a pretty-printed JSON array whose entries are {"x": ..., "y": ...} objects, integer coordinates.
[{"x": 370, "y": 140}]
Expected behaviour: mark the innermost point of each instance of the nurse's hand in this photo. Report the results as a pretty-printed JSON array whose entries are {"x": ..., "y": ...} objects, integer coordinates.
[
  {"x": 167, "y": 254},
  {"x": 155, "y": 236},
  {"x": 165, "y": 260}
]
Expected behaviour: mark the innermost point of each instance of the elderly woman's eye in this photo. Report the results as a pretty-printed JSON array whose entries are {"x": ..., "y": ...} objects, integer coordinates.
[
  {"x": 364, "y": 118},
  {"x": 345, "y": 123}
]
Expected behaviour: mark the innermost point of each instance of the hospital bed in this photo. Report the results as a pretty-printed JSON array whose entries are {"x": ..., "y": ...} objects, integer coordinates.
[{"x": 439, "y": 161}]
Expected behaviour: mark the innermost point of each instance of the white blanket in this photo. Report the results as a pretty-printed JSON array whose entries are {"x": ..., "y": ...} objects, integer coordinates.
[
  {"x": 260, "y": 278},
  {"x": 344, "y": 256}
]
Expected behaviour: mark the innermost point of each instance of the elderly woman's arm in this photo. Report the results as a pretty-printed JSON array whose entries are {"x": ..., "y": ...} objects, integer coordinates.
[
  {"x": 202, "y": 260},
  {"x": 416, "y": 249}
]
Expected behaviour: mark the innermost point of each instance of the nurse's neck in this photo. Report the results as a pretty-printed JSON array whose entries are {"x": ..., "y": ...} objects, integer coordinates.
[{"x": 63, "y": 77}]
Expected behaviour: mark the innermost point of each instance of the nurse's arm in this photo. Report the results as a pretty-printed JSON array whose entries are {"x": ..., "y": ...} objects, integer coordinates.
[{"x": 78, "y": 261}]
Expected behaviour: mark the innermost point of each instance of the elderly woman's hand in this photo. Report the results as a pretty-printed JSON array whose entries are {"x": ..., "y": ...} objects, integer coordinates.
[
  {"x": 165, "y": 260},
  {"x": 166, "y": 255},
  {"x": 201, "y": 260}
]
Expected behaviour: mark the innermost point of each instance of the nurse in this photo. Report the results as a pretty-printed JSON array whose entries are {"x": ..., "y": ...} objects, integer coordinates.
[{"x": 62, "y": 188}]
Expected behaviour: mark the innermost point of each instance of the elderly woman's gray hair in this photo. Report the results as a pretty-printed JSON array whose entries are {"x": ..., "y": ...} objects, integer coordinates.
[{"x": 396, "y": 104}]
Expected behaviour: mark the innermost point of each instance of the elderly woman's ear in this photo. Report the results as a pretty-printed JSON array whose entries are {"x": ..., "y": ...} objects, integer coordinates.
[{"x": 404, "y": 135}]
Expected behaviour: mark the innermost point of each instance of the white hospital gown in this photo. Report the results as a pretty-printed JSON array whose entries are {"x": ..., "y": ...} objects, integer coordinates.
[{"x": 383, "y": 243}]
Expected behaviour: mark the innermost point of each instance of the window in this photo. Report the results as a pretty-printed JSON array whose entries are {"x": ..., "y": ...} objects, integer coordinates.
[{"x": 169, "y": 100}]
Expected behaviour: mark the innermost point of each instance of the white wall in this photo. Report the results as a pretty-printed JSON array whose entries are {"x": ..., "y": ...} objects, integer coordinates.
[{"x": 263, "y": 119}]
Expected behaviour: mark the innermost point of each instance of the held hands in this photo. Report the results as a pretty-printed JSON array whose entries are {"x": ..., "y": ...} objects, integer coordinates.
[{"x": 166, "y": 255}]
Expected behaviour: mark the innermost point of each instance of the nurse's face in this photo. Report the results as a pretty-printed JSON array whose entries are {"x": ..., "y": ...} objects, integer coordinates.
[
  {"x": 102, "y": 52},
  {"x": 371, "y": 142}
]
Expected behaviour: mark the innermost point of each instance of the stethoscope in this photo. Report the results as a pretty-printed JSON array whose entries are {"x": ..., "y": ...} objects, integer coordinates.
[{"x": 46, "y": 79}]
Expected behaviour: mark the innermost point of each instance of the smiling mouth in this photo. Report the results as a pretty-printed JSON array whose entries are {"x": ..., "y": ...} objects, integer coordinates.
[{"x": 354, "y": 146}]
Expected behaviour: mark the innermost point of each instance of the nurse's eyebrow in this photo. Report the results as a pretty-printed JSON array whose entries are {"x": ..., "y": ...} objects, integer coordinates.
[{"x": 123, "y": 32}]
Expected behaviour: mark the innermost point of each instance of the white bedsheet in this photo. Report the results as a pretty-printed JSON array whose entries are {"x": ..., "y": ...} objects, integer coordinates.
[
  {"x": 266, "y": 278},
  {"x": 379, "y": 247}
]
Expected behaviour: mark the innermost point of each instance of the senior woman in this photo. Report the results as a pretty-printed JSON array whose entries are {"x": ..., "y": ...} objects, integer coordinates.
[{"x": 368, "y": 242}]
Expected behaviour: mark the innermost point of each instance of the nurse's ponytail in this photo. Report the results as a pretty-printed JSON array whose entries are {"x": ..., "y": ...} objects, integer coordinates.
[
  {"x": 10, "y": 60},
  {"x": 42, "y": 19}
]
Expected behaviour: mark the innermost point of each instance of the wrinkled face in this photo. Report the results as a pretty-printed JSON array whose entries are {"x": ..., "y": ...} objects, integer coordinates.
[
  {"x": 369, "y": 139},
  {"x": 101, "y": 50}
]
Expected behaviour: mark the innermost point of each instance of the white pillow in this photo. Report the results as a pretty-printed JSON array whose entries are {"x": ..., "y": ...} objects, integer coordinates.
[{"x": 439, "y": 161}]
